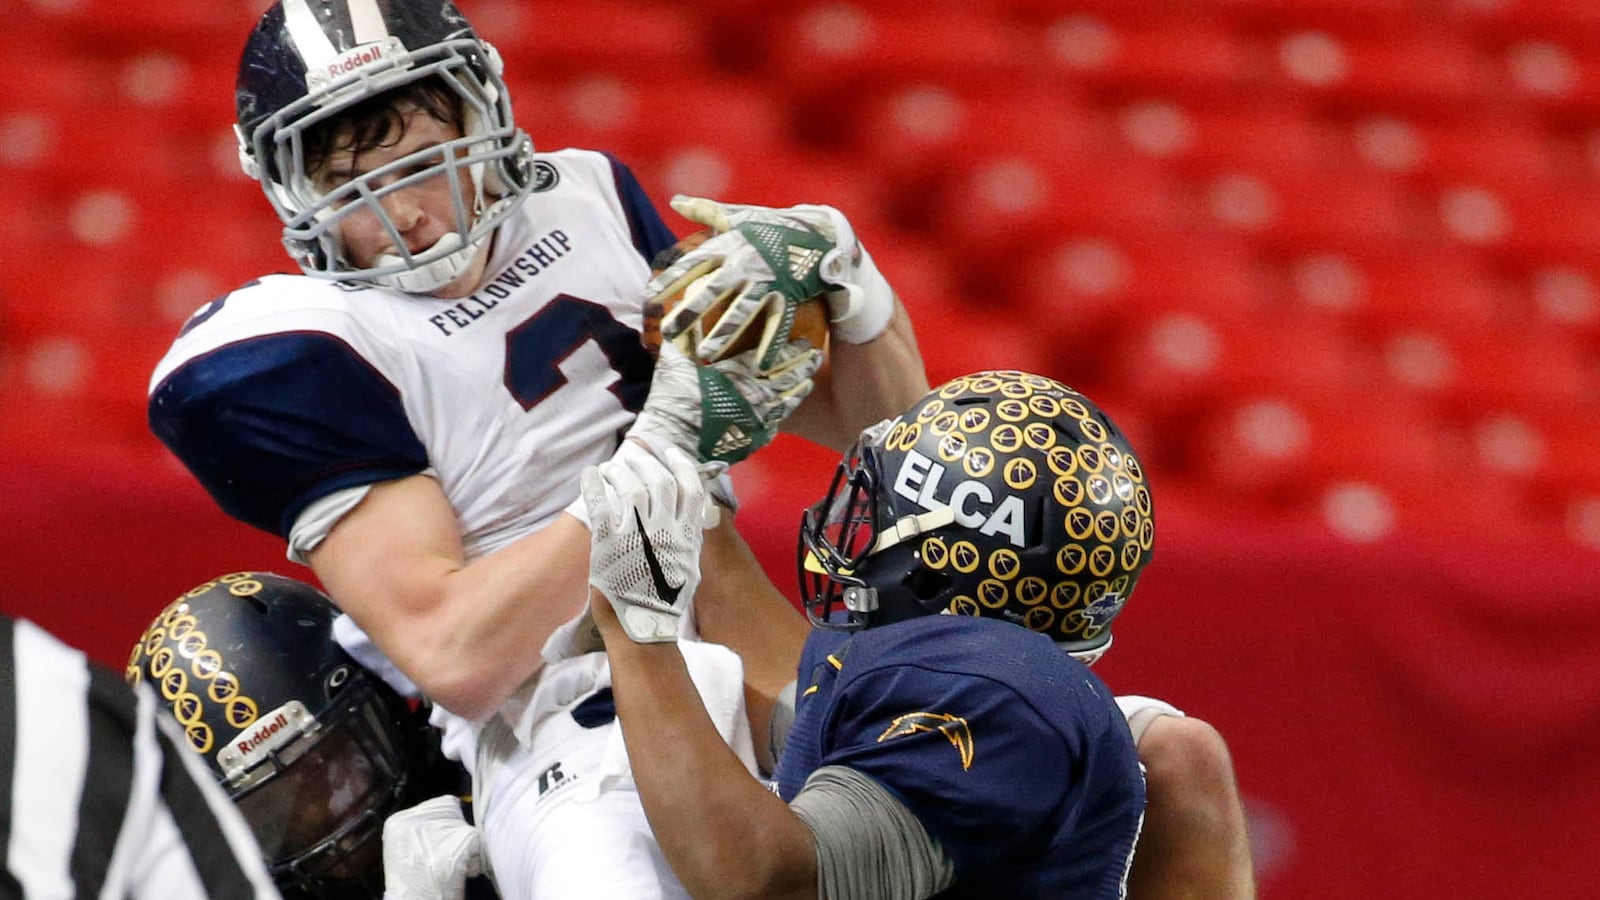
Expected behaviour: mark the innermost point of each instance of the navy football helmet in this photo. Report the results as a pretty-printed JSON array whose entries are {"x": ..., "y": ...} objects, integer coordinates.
[
  {"x": 999, "y": 494},
  {"x": 308, "y": 62},
  {"x": 315, "y": 750}
]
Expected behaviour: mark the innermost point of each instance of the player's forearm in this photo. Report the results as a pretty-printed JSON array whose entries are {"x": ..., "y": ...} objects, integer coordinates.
[
  {"x": 724, "y": 834},
  {"x": 862, "y": 384},
  {"x": 1194, "y": 845},
  {"x": 497, "y": 612},
  {"x": 738, "y": 607},
  {"x": 466, "y": 634}
]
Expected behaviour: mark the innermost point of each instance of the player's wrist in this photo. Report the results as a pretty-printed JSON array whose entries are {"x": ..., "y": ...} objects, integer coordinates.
[{"x": 864, "y": 303}]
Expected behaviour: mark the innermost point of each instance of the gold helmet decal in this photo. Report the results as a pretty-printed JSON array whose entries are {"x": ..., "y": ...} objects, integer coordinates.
[
  {"x": 177, "y": 656},
  {"x": 1041, "y": 497},
  {"x": 998, "y": 441}
]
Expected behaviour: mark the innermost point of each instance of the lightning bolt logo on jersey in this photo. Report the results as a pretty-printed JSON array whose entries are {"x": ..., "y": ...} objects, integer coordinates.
[{"x": 953, "y": 727}]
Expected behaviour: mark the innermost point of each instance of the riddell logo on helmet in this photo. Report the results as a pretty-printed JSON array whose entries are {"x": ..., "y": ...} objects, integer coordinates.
[
  {"x": 261, "y": 735},
  {"x": 354, "y": 59}
]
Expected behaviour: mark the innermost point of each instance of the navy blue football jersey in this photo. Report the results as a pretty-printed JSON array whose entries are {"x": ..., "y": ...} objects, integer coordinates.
[{"x": 1012, "y": 754}]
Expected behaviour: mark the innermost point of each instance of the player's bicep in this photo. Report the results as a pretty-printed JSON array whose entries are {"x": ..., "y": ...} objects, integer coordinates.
[{"x": 383, "y": 561}]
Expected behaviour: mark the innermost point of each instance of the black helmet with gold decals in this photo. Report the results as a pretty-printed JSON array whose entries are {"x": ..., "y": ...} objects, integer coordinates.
[
  {"x": 999, "y": 494},
  {"x": 314, "y": 749}
]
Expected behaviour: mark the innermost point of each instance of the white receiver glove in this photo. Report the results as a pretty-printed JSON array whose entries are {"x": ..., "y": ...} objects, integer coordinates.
[
  {"x": 773, "y": 259},
  {"x": 726, "y": 410},
  {"x": 429, "y": 852},
  {"x": 646, "y": 520}
]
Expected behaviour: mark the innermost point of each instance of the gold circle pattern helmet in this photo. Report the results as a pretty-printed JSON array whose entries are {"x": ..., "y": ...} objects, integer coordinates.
[
  {"x": 314, "y": 749},
  {"x": 1000, "y": 494}
]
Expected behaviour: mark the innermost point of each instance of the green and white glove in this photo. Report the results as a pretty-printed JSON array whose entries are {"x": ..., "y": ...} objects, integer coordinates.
[
  {"x": 646, "y": 518},
  {"x": 726, "y": 410},
  {"x": 773, "y": 259}
]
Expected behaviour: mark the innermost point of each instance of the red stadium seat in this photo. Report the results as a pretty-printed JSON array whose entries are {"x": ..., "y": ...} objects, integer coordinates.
[
  {"x": 1556, "y": 220},
  {"x": 1004, "y": 204},
  {"x": 1326, "y": 210},
  {"x": 1195, "y": 136},
  {"x": 939, "y": 126},
  {"x": 1576, "y": 22},
  {"x": 1414, "y": 70},
  {"x": 1264, "y": 443},
  {"x": 1086, "y": 284},
  {"x": 1465, "y": 374},
  {"x": 1351, "y": 16},
  {"x": 821, "y": 47},
  {"x": 1447, "y": 292},
  {"x": 565, "y": 37},
  {"x": 636, "y": 116},
  {"x": 151, "y": 22},
  {"x": 1173, "y": 58},
  {"x": 768, "y": 176},
  {"x": 1184, "y": 361},
  {"x": 1490, "y": 150}
]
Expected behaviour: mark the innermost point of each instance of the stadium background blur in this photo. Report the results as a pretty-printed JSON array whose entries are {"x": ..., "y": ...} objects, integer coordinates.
[{"x": 1334, "y": 264}]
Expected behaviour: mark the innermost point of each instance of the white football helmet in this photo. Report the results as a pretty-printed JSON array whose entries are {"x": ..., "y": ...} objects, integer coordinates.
[{"x": 309, "y": 62}]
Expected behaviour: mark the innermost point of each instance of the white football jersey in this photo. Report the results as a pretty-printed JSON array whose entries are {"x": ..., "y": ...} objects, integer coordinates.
[{"x": 292, "y": 388}]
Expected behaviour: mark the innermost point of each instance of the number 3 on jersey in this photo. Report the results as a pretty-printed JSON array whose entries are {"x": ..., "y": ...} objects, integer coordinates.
[{"x": 536, "y": 348}]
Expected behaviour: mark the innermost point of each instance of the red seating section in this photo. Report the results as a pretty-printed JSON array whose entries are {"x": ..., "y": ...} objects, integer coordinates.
[{"x": 1301, "y": 245}]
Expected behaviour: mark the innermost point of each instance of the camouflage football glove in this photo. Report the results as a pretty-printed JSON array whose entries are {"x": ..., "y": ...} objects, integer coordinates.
[
  {"x": 726, "y": 410},
  {"x": 647, "y": 518},
  {"x": 771, "y": 260}
]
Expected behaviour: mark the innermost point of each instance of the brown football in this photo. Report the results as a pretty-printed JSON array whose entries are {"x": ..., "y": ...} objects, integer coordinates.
[{"x": 810, "y": 318}]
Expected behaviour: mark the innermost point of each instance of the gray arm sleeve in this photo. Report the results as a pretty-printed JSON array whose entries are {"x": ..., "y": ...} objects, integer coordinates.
[{"x": 869, "y": 845}]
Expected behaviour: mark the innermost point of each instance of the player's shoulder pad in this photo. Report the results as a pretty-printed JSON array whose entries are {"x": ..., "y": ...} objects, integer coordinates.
[
  {"x": 609, "y": 180},
  {"x": 272, "y": 304}
]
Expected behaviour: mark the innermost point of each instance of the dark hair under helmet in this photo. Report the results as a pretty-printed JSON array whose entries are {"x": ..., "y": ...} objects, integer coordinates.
[
  {"x": 998, "y": 494},
  {"x": 315, "y": 750}
]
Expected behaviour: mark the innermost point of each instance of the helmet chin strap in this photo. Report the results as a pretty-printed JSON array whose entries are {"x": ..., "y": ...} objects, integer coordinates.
[
  {"x": 422, "y": 279},
  {"x": 1090, "y": 657},
  {"x": 458, "y": 255}
]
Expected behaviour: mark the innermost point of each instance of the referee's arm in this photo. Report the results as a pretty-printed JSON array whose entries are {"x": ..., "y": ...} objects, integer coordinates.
[{"x": 99, "y": 797}]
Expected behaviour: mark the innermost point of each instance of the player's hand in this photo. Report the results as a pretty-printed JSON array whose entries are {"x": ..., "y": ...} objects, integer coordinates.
[
  {"x": 429, "y": 852},
  {"x": 771, "y": 260},
  {"x": 646, "y": 525},
  {"x": 724, "y": 411}
]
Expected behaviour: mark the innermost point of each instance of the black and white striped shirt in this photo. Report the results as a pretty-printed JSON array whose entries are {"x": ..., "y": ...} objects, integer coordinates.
[{"x": 100, "y": 796}]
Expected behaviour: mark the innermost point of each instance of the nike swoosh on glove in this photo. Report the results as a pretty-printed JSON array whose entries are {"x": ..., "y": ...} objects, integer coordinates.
[{"x": 646, "y": 519}]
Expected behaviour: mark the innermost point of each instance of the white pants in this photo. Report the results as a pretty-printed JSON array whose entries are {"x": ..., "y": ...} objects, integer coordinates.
[{"x": 556, "y": 802}]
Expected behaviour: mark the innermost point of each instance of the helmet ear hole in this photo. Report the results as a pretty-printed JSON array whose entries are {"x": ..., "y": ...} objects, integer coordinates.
[
  {"x": 336, "y": 681},
  {"x": 925, "y": 583}
]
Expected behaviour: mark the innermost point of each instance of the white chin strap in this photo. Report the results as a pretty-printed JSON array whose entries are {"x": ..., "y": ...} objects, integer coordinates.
[
  {"x": 1090, "y": 657},
  {"x": 456, "y": 257}
]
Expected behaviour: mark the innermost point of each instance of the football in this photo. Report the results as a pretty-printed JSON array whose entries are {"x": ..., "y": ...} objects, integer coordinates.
[{"x": 810, "y": 318}]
